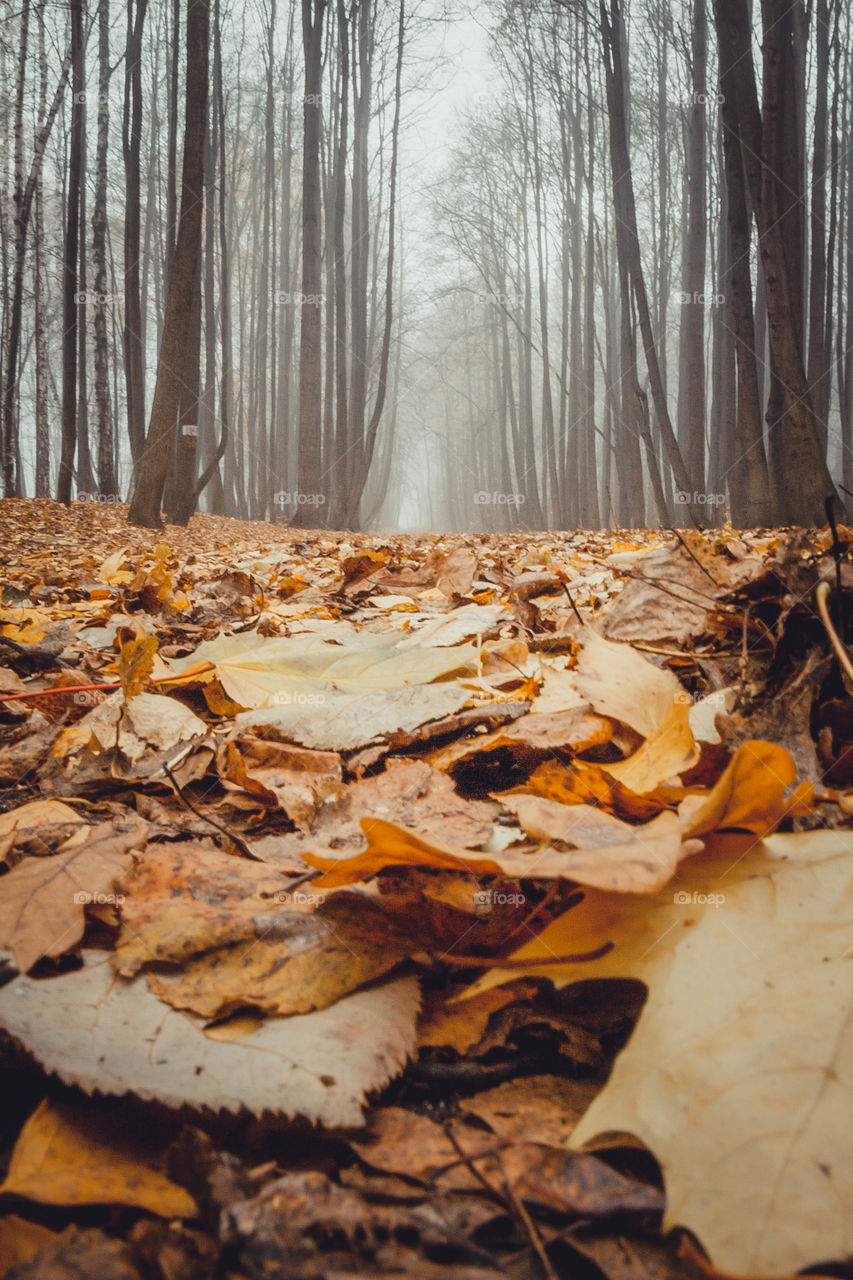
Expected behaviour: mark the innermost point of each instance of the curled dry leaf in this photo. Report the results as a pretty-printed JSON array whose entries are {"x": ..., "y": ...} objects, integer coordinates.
[
  {"x": 38, "y": 827},
  {"x": 281, "y": 775},
  {"x": 606, "y": 853},
  {"x": 532, "y": 737}
]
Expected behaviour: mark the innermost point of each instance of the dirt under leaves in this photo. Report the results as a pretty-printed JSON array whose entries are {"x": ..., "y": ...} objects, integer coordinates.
[{"x": 397, "y": 906}]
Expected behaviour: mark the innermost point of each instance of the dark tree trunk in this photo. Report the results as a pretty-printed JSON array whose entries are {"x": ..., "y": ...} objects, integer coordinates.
[
  {"x": 177, "y": 367},
  {"x": 131, "y": 148},
  {"x": 310, "y": 485},
  {"x": 70, "y": 284}
]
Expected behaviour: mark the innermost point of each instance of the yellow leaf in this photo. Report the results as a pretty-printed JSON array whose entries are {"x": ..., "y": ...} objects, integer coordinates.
[
  {"x": 136, "y": 662},
  {"x": 75, "y": 1156},
  {"x": 749, "y": 796},
  {"x": 111, "y": 571}
]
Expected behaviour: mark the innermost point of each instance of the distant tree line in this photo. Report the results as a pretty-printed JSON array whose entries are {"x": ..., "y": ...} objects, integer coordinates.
[{"x": 632, "y": 307}]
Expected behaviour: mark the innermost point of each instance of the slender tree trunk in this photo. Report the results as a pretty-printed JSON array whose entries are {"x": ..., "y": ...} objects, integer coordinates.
[
  {"x": 310, "y": 354},
  {"x": 70, "y": 263},
  {"x": 107, "y": 479},
  {"x": 360, "y": 480},
  {"x": 770, "y": 152},
  {"x": 627, "y": 239},
  {"x": 177, "y": 368},
  {"x": 691, "y": 365},
  {"x": 131, "y": 148},
  {"x": 42, "y": 424},
  {"x": 746, "y": 465}
]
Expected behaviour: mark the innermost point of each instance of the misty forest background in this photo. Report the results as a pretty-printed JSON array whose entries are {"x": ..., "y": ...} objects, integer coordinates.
[{"x": 376, "y": 264}]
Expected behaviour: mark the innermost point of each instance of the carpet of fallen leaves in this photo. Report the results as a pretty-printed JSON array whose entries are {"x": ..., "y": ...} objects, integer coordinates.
[{"x": 423, "y": 906}]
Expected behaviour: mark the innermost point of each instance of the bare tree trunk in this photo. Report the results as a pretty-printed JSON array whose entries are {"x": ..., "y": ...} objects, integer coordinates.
[
  {"x": 627, "y": 239},
  {"x": 70, "y": 287},
  {"x": 691, "y": 363},
  {"x": 746, "y": 466},
  {"x": 819, "y": 341},
  {"x": 179, "y": 354},
  {"x": 42, "y": 424},
  {"x": 131, "y": 148},
  {"x": 85, "y": 475},
  {"x": 357, "y": 485},
  {"x": 107, "y": 479},
  {"x": 770, "y": 152},
  {"x": 310, "y": 355}
]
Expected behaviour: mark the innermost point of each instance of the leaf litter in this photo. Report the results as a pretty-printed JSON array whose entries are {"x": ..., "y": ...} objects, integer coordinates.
[{"x": 423, "y": 906}]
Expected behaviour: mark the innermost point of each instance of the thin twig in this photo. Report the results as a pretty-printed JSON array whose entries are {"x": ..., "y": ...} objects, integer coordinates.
[
  {"x": 535, "y": 1239},
  {"x": 821, "y": 594},
  {"x": 836, "y": 554},
  {"x": 506, "y": 962},
  {"x": 707, "y": 572},
  {"x": 572, "y": 603},
  {"x": 232, "y": 835}
]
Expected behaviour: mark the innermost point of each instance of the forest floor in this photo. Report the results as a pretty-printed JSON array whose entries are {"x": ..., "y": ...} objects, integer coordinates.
[{"x": 423, "y": 906}]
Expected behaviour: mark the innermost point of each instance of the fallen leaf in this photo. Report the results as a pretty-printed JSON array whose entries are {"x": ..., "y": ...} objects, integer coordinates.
[
  {"x": 734, "y": 1076},
  {"x": 38, "y": 827},
  {"x": 259, "y": 672},
  {"x": 751, "y": 795},
  {"x": 43, "y": 900},
  {"x": 188, "y": 897},
  {"x": 68, "y": 1155},
  {"x": 21, "y": 1240},
  {"x": 136, "y": 663},
  {"x": 607, "y": 853},
  {"x": 101, "y": 1032},
  {"x": 292, "y": 778},
  {"x": 300, "y": 962},
  {"x": 346, "y": 721}
]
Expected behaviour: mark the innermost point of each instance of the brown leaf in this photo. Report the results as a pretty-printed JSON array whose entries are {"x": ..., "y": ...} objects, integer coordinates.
[
  {"x": 300, "y": 963},
  {"x": 281, "y": 775},
  {"x": 43, "y": 900},
  {"x": 610, "y": 854},
  {"x": 136, "y": 662}
]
